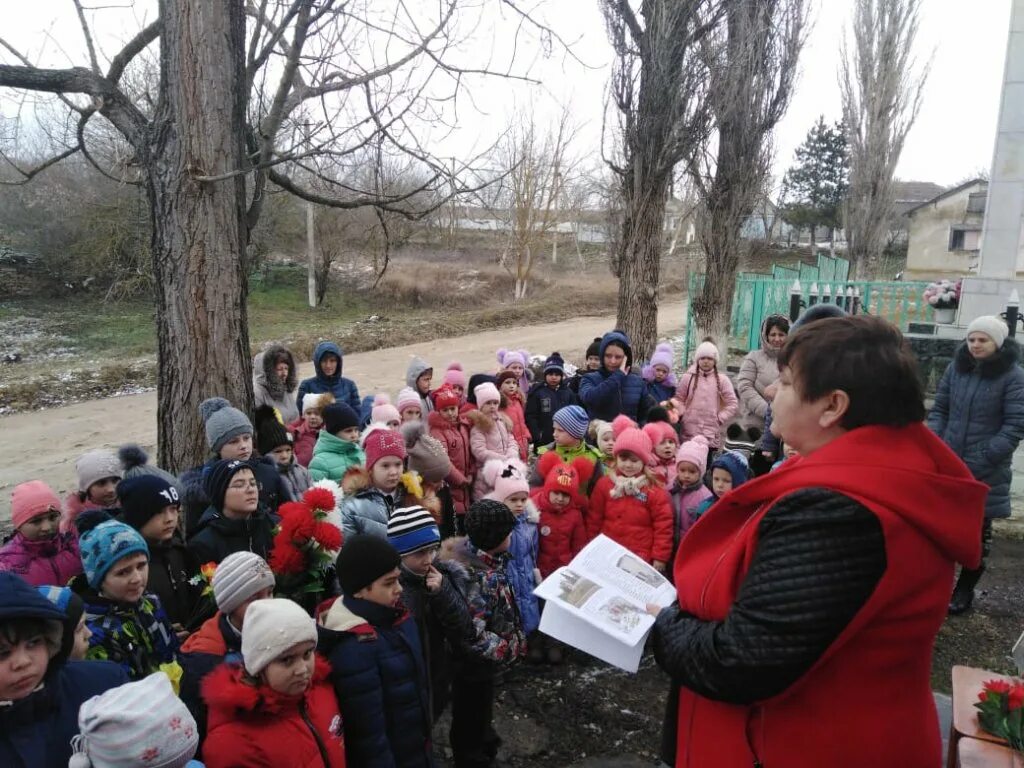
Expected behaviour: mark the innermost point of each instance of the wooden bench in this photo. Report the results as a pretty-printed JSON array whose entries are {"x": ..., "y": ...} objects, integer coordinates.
[{"x": 975, "y": 753}]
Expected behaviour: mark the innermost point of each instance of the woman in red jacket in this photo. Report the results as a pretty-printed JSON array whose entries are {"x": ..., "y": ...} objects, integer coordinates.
[
  {"x": 278, "y": 707},
  {"x": 810, "y": 598}
]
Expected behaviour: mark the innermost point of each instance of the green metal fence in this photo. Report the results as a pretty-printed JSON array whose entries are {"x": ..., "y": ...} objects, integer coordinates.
[{"x": 757, "y": 296}]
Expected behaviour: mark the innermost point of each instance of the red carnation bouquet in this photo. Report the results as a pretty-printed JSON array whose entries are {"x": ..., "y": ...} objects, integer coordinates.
[
  {"x": 1000, "y": 708},
  {"x": 305, "y": 545}
]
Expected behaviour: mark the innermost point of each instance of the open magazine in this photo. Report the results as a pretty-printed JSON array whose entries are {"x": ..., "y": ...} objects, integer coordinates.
[{"x": 598, "y": 603}]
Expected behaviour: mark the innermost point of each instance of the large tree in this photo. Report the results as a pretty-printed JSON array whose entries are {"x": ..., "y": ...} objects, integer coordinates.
[
  {"x": 253, "y": 93},
  {"x": 753, "y": 67},
  {"x": 815, "y": 186},
  {"x": 660, "y": 91},
  {"x": 881, "y": 86}
]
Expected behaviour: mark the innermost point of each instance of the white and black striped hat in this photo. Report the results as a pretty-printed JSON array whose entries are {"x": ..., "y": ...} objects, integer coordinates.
[{"x": 411, "y": 529}]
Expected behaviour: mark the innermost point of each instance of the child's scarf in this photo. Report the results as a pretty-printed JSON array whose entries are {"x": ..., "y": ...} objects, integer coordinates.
[{"x": 630, "y": 486}]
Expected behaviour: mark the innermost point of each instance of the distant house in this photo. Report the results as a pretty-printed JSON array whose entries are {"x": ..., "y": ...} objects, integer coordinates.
[
  {"x": 945, "y": 231},
  {"x": 765, "y": 223},
  {"x": 909, "y": 195}
]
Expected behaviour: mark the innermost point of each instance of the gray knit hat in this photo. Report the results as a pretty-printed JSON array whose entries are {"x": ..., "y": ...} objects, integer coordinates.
[
  {"x": 96, "y": 465},
  {"x": 223, "y": 422},
  {"x": 238, "y": 577},
  {"x": 271, "y": 628},
  {"x": 135, "y": 463}
]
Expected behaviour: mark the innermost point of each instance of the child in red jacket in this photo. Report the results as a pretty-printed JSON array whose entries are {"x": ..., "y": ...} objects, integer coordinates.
[
  {"x": 629, "y": 506},
  {"x": 277, "y": 707},
  {"x": 514, "y": 406},
  {"x": 306, "y": 430},
  {"x": 561, "y": 528},
  {"x": 450, "y": 428}
]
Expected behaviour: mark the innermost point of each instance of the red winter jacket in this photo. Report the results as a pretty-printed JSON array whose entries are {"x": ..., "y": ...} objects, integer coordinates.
[
  {"x": 642, "y": 524},
  {"x": 455, "y": 439},
  {"x": 515, "y": 409},
  {"x": 253, "y": 726},
  {"x": 561, "y": 533},
  {"x": 304, "y": 441},
  {"x": 867, "y": 701}
]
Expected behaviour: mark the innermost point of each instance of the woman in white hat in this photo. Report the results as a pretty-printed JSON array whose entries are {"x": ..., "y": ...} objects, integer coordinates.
[{"x": 979, "y": 413}]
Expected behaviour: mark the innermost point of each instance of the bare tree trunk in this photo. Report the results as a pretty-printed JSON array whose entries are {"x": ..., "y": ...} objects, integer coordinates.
[
  {"x": 311, "y": 270},
  {"x": 199, "y": 232},
  {"x": 640, "y": 265}
]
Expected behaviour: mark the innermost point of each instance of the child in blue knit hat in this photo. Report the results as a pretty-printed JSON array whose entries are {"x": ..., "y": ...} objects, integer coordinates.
[
  {"x": 128, "y": 624},
  {"x": 729, "y": 470},
  {"x": 569, "y": 427}
]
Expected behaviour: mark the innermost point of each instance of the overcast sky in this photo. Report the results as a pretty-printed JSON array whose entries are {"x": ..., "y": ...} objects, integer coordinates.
[{"x": 952, "y": 139}]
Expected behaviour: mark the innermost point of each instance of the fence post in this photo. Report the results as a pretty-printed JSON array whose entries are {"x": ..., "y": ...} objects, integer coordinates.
[
  {"x": 1012, "y": 312},
  {"x": 826, "y": 294},
  {"x": 795, "y": 294},
  {"x": 848, "y": 301},
  {"x": 856, "y": 301},
  {"x": 812, "y": 298}
]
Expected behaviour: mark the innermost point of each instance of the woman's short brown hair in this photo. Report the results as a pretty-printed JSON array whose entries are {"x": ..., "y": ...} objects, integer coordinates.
[{"x": 865, "y": 357}]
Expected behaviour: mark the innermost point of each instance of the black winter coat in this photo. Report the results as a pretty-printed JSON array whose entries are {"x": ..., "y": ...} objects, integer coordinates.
[
  {"x": 217, "y": 537},
  {"x": 171, "y": 565},
  {"x": 979, "y": 413},
  {"x": 444, "y": 624},
  {"x": 541, "y": 404}
]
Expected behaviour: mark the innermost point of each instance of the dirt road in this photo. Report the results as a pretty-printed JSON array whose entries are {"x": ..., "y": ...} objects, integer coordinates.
[{"x": 44, "y": 444}]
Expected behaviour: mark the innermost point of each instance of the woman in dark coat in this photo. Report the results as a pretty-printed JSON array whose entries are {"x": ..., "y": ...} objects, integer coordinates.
[
  {"x": 614, "y": 389},
  {"x": 809, "y": 599},
  {"x": 979, "y": 412}
]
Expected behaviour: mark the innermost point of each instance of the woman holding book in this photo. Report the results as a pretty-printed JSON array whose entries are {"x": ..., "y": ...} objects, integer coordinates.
[{"x": 810, "y": 598}]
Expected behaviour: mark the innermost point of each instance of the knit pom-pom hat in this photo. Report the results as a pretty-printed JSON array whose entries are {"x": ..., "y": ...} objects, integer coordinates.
[
  {"x": 383, "y": 442},
  {"x": 272, "y": 626},
  {"x": 694, "y": 452},
  {"x": 633, "y": 440},
  {"x": 455, "y": 375},
  {"x": 564, "y": 477},
  {"x": 657, "y": 431},
  {"x": 486, "y": 393},
  {"x": 662, "y": 355},
  {"x": 507, "y": 357},
  {"x": 506, "y": 477},
  {"x": 103, "y": 542},
  {"x": 223, "y": 422},
  {"x": 445, "y": 397},
  {"x": 383, "y": 411},
  {"x": 621, "y": 423}
]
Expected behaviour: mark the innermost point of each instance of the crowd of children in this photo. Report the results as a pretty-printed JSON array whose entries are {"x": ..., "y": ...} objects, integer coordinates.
[{"x": 419, "y": 530}]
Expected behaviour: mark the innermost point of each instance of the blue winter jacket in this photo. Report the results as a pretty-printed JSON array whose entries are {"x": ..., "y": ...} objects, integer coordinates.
[
  {"x": 36, "y": 732},
  {"x": 979, "y": 413},
  {"x": 541, "y": 404},
  {"x": 344, "y": 390},
  {"x": 523, "y": 551},
  {"x": 380, "y": 678},
  {"x": 606, "y": 394},
  {"x": 367, "y": 511}
]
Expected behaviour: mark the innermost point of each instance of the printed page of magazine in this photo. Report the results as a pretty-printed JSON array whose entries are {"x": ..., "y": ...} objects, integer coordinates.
[{"x": 609, "y": 587}]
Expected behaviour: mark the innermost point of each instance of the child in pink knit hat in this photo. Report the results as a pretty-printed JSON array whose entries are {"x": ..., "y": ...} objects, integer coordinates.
[
  {"x": 371, "y": 494},
  {"x": 410, "y": 406},
  {"x": 491, "y": 434},
  {"x": 688, "y": 489},
  {"x": 628, "y": 504},
  {"x": 455, "y": 377},
  {"x": 510, "y": 487},
  {"x": 38, "y": 551},
  {"x": 383, "y": 412},
  {"x": 666, "y": 442}
]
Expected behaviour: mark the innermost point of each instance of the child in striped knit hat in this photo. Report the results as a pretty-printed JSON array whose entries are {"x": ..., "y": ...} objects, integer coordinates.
[{"x": 433, "y": 592}]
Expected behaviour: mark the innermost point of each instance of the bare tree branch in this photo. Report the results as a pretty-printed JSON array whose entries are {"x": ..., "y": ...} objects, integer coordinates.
[
  {"x": 88, "y": 37},
  {"x": 30, "y": 173}
]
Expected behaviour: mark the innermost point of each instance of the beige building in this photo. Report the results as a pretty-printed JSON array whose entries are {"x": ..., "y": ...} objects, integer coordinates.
[{"x": 945, "y": 232}]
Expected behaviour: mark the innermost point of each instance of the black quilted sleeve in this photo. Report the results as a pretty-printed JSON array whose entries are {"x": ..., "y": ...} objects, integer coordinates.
[{"x": 820, "y": 555}]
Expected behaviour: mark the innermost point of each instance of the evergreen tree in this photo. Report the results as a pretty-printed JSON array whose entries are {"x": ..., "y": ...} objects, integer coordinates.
[{"x": 814, "y": 188}]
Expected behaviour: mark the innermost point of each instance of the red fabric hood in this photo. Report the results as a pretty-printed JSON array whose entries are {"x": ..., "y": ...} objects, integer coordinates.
[{"x": 907, "y": 470}]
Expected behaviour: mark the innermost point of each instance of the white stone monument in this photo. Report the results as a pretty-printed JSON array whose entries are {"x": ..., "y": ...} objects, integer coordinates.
[{"x": 1001, "y": 265}]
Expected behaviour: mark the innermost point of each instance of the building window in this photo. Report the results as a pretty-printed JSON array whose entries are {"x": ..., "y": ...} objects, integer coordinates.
[
  {"x": 956, "y": 239},
  {"x": 962, "y": 239}
]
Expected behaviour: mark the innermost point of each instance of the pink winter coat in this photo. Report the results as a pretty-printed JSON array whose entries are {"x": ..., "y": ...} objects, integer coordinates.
[
  {"x": 707, "y": 406},
  {"x": 52, "y": 562},
  {"x": 490, "y": 439},
  {"x": 73, "y": 507},
  {"x": 684, "y": 503}
]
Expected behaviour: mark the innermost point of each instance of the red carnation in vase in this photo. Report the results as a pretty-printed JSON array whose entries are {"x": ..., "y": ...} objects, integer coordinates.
[
  {"x": 286, "y": 559},
  {"x": 319, "y": 499},
  {"x": 998, "y": 686},
  {"x": 327, "y": 536}
]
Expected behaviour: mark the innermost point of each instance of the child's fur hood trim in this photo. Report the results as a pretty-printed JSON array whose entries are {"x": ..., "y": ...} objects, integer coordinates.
[
  {"x": 485, "y": 423},
  {"x": 354, "y": 480},
  {"x": 227, "y": 689}
]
